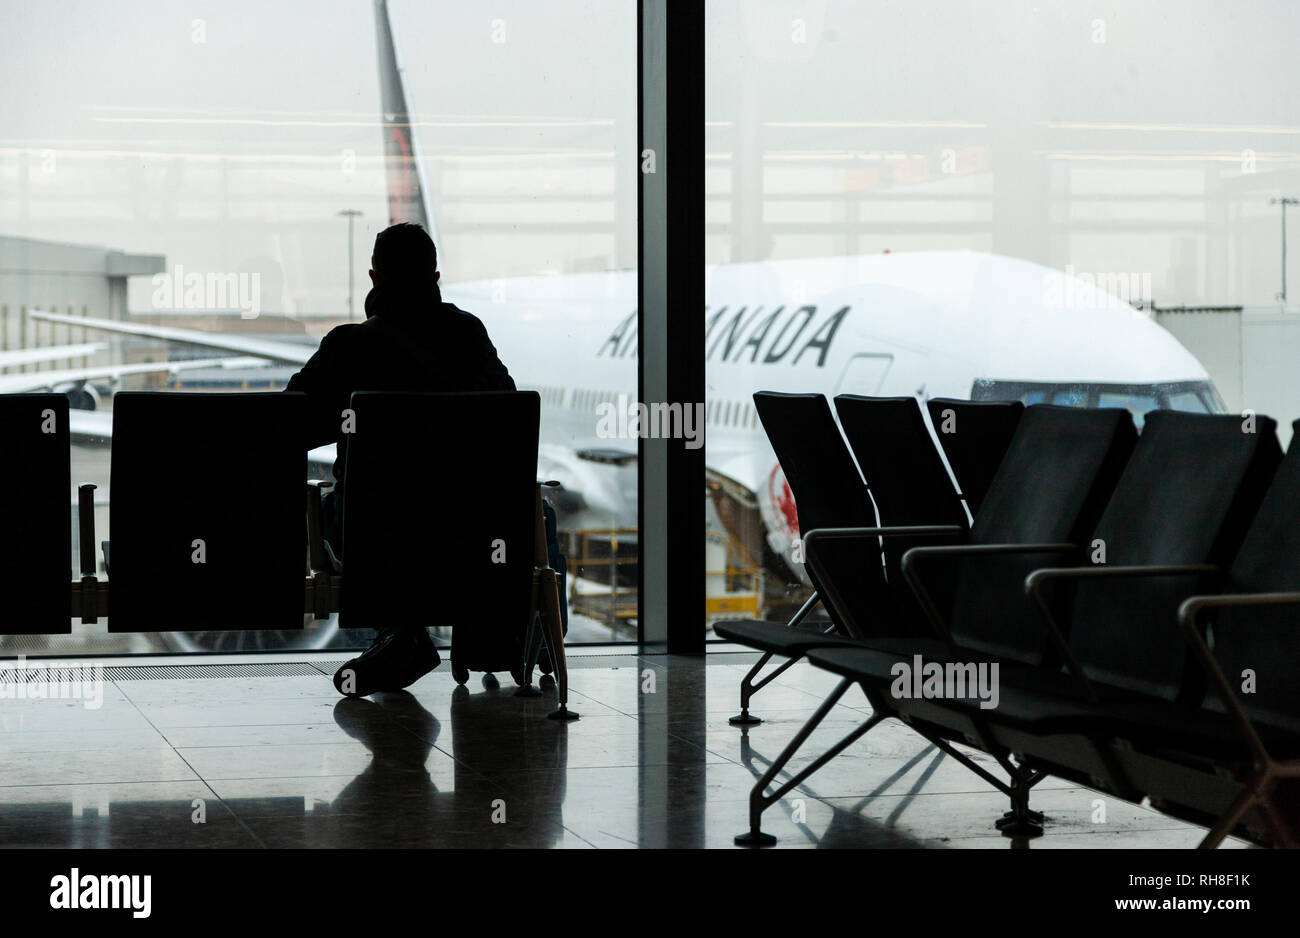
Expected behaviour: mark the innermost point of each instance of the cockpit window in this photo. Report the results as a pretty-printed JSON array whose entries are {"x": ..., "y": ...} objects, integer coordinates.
[
  {"x": 1071, "y": 397},
  {"x": 1135, "y": 404},
  {"x": 1189, "y": 401},
  {"x": 1198, "y": 397}
]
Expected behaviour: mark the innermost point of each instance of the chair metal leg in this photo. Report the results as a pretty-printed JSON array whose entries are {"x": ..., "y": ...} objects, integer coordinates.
[
  {"x": 743, "y": 718},
  {"x": 747, "y": 686},
  {"x": 1224, "y": 825},
  {"x": 1035, "y": 816},
  {"x": 532, "y": 645},
  {"x": 948, "y": 749},
  {"x": 1282, "y": 830},
  {"x": 550, "y": 588},
  {"x": 1020, "y": 821},
  {"x": 760, "y": 802}
]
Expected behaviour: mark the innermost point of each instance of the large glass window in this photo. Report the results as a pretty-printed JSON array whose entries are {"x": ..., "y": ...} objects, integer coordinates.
[
  {"x": 1058, "y": 202},
  {"x": 248, "y": 144}
]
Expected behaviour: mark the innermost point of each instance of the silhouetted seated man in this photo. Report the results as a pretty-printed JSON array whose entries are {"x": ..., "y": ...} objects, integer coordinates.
[{"x": 411, "y": 341}]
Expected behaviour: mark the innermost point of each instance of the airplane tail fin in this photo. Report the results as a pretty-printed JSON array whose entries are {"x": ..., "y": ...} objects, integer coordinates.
[{"x": 402, "y": 165}]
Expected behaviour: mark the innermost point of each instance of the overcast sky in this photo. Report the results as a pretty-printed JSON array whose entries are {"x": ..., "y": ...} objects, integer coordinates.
[{"x": 227, "y": 135}]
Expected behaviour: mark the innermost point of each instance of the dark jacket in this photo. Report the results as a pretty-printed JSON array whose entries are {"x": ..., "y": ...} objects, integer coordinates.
[{"x": 457, "y": 356}]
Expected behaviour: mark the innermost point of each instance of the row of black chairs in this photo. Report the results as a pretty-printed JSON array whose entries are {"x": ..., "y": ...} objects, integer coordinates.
[
  {"x": 208, "y": 529},
  {"x": 912, "y": 489},
  {"x": 1138, "y": 596}
]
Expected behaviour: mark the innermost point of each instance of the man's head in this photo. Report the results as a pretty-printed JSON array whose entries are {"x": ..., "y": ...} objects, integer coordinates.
[{"x": 404, "y": 254}]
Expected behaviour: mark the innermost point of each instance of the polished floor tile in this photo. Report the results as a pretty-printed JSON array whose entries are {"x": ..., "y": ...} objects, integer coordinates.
[
  {"x": 72, "y": 739},
  {"x": 653, "y": 762},
  {"x": 238, "y": 710},
  {"x": 180, "y": 814},
  {"x": 154, "y": 762}
]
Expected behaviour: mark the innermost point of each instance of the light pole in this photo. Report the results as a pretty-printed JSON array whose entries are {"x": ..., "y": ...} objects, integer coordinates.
[
  {"x": 1283, "y": 201},
  {"x": 351, "y": 214}
]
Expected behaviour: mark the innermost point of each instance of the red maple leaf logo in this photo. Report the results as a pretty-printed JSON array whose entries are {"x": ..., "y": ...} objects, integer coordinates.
[{"x": 778, "y": 490}]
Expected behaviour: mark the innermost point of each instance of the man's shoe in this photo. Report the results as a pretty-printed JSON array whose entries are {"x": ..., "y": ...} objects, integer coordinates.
[{"x": 396, "y": 659}]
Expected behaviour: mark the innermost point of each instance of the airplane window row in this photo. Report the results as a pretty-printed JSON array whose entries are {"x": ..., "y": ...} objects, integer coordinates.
[
  {"x": 731, "y": 414},
  {"x": 551, "y": 396},
  {"x": 589, "y": 400},
  {"x": 740, "y": 414}
]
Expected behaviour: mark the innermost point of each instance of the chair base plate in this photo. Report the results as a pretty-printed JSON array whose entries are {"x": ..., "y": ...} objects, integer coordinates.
[
  {"x": 1012, "y": 826},
  {"x": 1009, "y": 816}
]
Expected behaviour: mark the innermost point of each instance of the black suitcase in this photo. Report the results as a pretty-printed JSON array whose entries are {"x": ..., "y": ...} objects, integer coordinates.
[
  {"x": 490, "y": 647},
  {"x": 497, "y": 647}
]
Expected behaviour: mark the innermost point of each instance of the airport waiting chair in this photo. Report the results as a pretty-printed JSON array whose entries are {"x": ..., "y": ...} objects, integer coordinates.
[
  {"x": 1255, "y": 627},
  {"x": 37, "y": 546},
  {"x": 1181, "y": 507},
  {"x": 206, "y": 515},
  {"x": 974, "y": 436},
  {"x": 1129, "y": 685},
  {"x": 906, "y": 477},
  {"x": 441, "y": 518},
  {"x": 1059, "y": 471},
  {"x": 828, "y": 492}
]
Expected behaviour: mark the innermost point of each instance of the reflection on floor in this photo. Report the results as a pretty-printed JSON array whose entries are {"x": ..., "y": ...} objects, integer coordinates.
[{"x": 284, "y": 762}]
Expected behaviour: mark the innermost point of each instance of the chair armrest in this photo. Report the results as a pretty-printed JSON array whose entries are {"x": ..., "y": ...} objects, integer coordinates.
[
  {"x": 926, "y": 601},
  {"x": 86, "y": 540},
  {"x": 1192, "y": 605},
  {"x": 317, "y": 557},
  {"x": 1034, "y": 581},
  {"x": 904, "y": 530},
  {"x": 834, "y": 599},
  {"x": 1188, "y": 618},
  {"x": 1034, "y": 588}
]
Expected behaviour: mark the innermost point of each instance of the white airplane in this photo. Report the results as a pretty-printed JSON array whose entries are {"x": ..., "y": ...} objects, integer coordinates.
[
  {"x": 29, "y": 356},
  {"x": 63, "y": 378},
  {"x": 74, "y": 381},
  {"x": 957, "y": 324}
]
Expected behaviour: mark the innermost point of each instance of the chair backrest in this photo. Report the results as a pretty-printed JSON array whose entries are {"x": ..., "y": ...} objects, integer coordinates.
[
  {"x": 36, "y": 550},
  {"x": 974, "y": 436},
  {"x": 898, "y": 459},
  {"x": 827, "y": 487},
  {"x": 1265, "y": 640},
  {"x": 1052, "y": 486},
  {"x": 1189, "y": 493},
  {"x": 905, "y": 475},
  {"x": 828, "y": 492},
  {"x": 206, "y": 512},
  {"x": 439, "y": 511}
]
